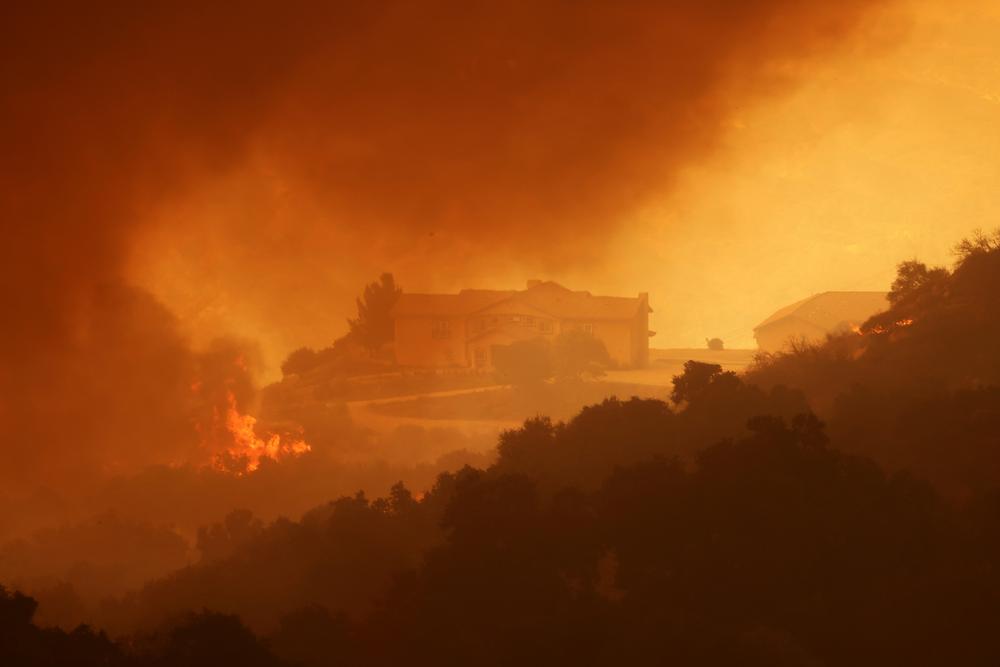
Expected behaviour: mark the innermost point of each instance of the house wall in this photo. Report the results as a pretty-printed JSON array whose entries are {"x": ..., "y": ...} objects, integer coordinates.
[
  {"x": 500, "y": 316},
  {"x": 480, "y": 350},
  {"x": 640, "y": 336},
  {"x": 503, "y": 324},
  {"x": 617, "y": 338},
  {"x": 416, "y": 344},
  {"x": 626, "y": 340}
]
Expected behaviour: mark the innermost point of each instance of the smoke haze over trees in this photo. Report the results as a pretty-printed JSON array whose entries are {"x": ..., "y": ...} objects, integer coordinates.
[
  {"x": 732, "y": 527},
  {"x": 160, "y": 506},
  {"x": 402, "y": 120}
]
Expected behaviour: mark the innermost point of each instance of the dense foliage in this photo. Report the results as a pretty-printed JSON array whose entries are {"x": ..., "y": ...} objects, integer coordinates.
[
  {"x": 919, "y": 387},
  {"x": 730, "y": 527}
]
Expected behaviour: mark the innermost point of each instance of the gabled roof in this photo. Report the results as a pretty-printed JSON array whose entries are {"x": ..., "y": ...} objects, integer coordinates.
[
  {"x": 463, "y": 303},
  {"x": 829, "y": 309},
  {"x": 553, "y": 298},
  {"x": 547, "y": 297}
]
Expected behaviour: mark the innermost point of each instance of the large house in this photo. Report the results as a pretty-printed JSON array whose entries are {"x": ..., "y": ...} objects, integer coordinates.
[
  {"x": 462, "y": 330},
  {"x": 812, "y": 319}
]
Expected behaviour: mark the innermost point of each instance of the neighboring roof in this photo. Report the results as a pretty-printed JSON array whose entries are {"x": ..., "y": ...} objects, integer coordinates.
[
  {"x": 829, "y": 309},
  {"x": 548, "y": 297}
]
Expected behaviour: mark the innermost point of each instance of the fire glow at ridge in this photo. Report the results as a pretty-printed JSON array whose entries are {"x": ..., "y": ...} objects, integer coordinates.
[{"x": 250, "y": 447}]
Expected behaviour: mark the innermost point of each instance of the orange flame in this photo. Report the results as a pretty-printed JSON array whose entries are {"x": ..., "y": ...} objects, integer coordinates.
[
  {"x": 248, "y": 448},
  {"x": 880, "y": 329}
]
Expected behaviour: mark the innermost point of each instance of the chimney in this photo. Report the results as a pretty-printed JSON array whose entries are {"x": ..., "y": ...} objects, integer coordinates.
[{"x": 534, "y": 283}]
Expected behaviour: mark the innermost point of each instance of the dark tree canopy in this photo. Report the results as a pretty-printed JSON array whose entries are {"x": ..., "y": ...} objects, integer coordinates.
[
  {"x": 204, "y": 639},
  {"x": 915, "y": 282},
  {"x": 300, "y": 361},
  {"x": 979, "y": 243},
  {"x": 694, "y": 380},
  {"x": 746, "y": 523},
  {"x": 209, "y": 639}
]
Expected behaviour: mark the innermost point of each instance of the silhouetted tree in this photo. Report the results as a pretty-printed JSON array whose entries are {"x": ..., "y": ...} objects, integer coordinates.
[
  {"x": 209, "y": 639},
  {"x": 373, "y": 327},
  {"x": 730, "y": 529},
  {"x": 300, "y": 361},
  {"x": 25, "y": 645},
  {"x": 596, "y": 542},
  {"x": 978, "y": 244},
  {"x": 221, "y": 540},
  {"x": 779, "y": 504},
  {"x": 916, "y": 282},
  {"x": 920, "y": 374},
  {"x": 695, "y": 379},
  {"x": 714, "y": 344},
  {"x": 314, "y": 637}
]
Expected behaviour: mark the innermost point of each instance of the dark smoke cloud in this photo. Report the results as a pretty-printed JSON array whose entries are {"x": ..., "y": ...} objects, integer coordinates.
[
  {"x": 501, "y": 125},
  {"x": 498, "y": 122}
]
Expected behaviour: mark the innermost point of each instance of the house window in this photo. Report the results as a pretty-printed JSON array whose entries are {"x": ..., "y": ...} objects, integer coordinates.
[
  {"x": 545, "y": 326},
  {"x": 440, "y": 329},
  {"x": 586, "y": 327},
  {"x": 480, "y": 357},
  {"x": 529, "y": 321}
]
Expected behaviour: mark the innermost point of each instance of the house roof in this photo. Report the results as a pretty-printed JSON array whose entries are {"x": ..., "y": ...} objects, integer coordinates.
[
  {"x": 829, "y": 309},
  {"x": 547, "y": 297},
  {"x": 463, "y": 303}
]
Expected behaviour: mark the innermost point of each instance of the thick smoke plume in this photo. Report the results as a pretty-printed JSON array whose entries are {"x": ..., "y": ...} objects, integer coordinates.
[{"x": 500, "y": 126}]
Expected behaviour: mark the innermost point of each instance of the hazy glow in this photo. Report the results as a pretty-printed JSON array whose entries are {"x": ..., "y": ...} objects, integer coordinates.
[
  {"x": 885, "y": 152},
  {"x": 877, "y": 159}
]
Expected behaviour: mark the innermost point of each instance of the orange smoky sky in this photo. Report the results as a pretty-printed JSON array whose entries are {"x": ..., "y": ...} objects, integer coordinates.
[
  {"x": 728, "y": 161},
  {"x": 172, "y": 172}
]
